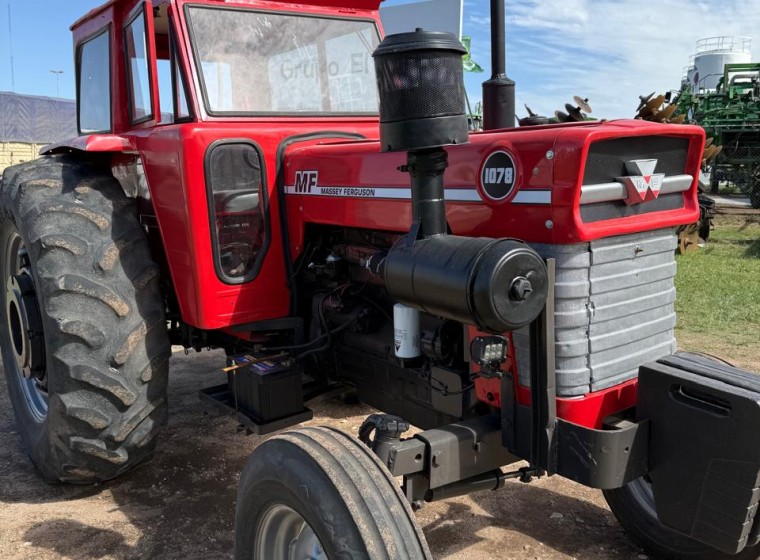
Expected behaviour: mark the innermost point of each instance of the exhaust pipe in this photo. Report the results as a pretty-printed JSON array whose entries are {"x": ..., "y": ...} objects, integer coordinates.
[{"x": 499, "y": 91}]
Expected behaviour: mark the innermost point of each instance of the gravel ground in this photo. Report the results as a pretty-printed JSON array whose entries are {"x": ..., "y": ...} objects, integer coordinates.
[{"x": 181, "y": 505}]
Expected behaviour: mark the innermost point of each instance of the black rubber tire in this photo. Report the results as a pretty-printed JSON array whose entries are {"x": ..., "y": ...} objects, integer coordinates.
[
  {"x": 714, "y": 181},
  {"x": 705, "y": 228},
  {"x": 754, "y": 196},
  {"x": 106, "y": 342},
  {"x": 339, "y": 487},
  {"x": 641, "y": 523}
]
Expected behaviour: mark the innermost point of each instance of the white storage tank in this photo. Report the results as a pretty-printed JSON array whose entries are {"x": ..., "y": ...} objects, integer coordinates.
[
  {"x": 713, "y": 53},
  {"x": 687, "y": 77}
]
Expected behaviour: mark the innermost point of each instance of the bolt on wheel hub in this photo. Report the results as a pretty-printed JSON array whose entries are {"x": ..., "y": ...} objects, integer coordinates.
[
  {"x": 25, "y": 326},
  {"x": 284, "y": 533}
]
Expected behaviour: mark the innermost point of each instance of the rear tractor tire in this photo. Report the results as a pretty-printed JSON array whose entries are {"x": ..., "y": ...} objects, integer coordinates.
[
  {"x": 321, "y": 494},
  {"x": 84, "y": 342}
]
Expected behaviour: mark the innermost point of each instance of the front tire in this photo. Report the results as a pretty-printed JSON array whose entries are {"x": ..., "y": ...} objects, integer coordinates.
[
  {"x": 633, "y": 505},
  {"x": 84, "y": 342},
  {"x": 320, "y": 493}
]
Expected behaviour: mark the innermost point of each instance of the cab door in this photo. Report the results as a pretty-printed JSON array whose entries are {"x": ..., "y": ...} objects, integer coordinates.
[{"x": 139, "y": 48}]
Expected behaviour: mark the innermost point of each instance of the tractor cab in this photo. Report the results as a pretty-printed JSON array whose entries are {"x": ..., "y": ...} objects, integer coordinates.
[
  {"x": 200, "y": 61},
  {"x": 199, "y": 101}
]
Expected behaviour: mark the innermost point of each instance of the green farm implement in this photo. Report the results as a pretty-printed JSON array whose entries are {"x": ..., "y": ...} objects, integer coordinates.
[{"x": 730, "y": 115}]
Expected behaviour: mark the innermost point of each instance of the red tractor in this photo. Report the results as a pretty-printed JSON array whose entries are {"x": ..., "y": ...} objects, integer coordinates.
[{"x": 509, "y": 293}]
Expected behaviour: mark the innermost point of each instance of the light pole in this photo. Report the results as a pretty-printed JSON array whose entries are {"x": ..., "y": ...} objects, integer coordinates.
[{"x": 57, "y": 74}]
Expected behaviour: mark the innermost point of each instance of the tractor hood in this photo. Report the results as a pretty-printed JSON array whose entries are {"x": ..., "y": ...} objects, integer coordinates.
[{"x": 547, "y": 184}]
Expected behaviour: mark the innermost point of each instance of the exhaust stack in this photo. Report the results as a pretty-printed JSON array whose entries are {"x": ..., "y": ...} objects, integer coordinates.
[{"x": 499, "y": 91}]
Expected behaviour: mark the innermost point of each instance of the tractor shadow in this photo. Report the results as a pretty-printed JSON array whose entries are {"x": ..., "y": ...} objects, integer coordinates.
[
  {"x": 84, "y": 542},
  {"x": 536, "y": 518},
  {"x": 751, "y": 246},
  {"x": 181, "y": 505},
  {"x": 752, "y": 249}
]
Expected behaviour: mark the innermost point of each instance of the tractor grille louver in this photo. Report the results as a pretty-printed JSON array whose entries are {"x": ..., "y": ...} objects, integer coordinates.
[
  {"x": 614, "y": 310},
  {"x": 603, "y": 195}
]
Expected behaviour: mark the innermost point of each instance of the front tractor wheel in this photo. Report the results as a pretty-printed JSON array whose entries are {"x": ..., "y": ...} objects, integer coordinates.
[
  {"x": 321, "y": 494},
  {"x": 82, "y": 330},
  {"x": 633, "y": 505}
]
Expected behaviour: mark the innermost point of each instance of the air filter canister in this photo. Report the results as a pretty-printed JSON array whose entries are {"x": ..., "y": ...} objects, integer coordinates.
[{"x": 420, "y": 79}]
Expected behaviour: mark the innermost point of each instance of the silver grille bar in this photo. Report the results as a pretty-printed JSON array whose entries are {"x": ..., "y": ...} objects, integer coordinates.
[{"x": 605, "y": 192}]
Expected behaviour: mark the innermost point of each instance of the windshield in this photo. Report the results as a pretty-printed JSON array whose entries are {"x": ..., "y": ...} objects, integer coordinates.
[{"x": 269, "y": 63}]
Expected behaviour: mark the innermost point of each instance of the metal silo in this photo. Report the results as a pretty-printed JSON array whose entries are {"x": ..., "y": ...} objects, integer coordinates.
[{"x": 712, "y": 55}]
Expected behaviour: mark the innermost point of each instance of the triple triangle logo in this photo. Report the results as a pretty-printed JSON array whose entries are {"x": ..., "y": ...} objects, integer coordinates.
[{"x": 642, "y": 183}]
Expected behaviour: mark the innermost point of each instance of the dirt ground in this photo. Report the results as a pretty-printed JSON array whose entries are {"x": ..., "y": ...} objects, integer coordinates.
[{"x": 181, "y": 505}]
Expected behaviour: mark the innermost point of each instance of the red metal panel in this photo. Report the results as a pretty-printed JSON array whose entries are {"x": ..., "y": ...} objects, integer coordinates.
[
  {"x": 591, "y": 409},
  {"x": 556, "y": 180},
  {"x": 91, "y": 143},
  {"x": 173, "y": 158}
]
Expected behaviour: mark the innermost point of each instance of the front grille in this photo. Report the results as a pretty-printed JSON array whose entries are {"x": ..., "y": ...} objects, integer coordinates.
[
  {"x": 606, "y": 159},
  {"x": 615, "y": 209},
  {"x": 614, "y": 310},
  {"x": 604, "y": 194}
]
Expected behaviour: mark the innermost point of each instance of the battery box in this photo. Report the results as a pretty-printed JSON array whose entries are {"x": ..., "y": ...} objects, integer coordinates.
[
  {"x": 264, "y": 393},
  {"x": 267, "y": 390},
  {"x": 704, "y": 449}
]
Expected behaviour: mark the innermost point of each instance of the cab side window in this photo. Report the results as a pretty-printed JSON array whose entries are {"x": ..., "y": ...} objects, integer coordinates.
[
  {"x": 94, "y": 84},
  {"x": 171, "y": 85},
  {"x": 172, "y": 90},
  {"x": 138, "y": 69}
]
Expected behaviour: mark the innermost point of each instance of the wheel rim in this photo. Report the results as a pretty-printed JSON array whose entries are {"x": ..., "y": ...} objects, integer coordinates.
[
  {"x": 25, "y": 342},
  {"x": 283, "y": 534}
]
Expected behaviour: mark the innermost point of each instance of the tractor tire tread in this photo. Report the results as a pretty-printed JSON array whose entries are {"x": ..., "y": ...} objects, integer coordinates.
[
  {"x": 378, "y": 522},
  {"x": 102, "y": 313}
]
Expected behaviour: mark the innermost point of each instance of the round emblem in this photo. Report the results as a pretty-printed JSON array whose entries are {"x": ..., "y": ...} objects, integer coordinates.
[{"x": 498, "y": 176}]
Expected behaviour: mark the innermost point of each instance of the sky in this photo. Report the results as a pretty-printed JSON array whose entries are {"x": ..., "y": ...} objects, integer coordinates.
[{"x": 610, "y": 51}]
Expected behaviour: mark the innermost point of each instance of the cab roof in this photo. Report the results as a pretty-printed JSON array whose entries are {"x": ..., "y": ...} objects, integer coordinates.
[{"x": 360, "y": 5}]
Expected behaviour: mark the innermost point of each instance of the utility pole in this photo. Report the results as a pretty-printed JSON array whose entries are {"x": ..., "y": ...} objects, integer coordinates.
[
  {"x": 10, "y": 42},
  {"x": 57, "y": 74}
]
